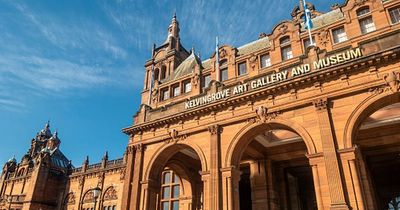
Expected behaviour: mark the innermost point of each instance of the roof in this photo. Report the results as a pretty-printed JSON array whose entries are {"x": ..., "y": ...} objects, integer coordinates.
[
  {"x": 253, "y": 46},
  {"x": 325, "y": 19},
  {"x": 185, "y": 68},
  {"x": 58, "y": 159}
]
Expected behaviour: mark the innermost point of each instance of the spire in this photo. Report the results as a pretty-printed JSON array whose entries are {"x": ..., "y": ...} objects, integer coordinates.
[
  {"x": 173, "y": 33},
  {"x": 46, "y": 130}
]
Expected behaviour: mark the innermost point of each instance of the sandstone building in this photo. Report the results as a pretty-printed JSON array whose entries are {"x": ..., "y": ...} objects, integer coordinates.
[{"x": 275, "y": 124}]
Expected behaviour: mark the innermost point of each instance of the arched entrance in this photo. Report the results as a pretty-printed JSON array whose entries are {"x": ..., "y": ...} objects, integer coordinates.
[
  {"x": 376, "y": 134},
  {"x": 274, "y": 170},
  {"x": 173, "y": 179}
]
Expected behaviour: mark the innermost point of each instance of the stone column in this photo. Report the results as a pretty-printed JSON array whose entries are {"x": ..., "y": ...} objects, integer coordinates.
[
  {"x": 126, "y": 198},
  {"x": 259, "y": 186},
  {"x": 205, "y": 177},
  {"x": 137, "y": 177},
  {"x": 150, "y": 195},
  {"x": 314, "y": 160},
  {"x": 214, "y": 194},
  {"x": 333, "y": 173},
  {"x": 230, "y": 188}
]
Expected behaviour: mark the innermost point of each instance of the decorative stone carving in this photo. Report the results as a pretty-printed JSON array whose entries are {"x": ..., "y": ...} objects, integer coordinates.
[
  {"x": 110, "y": 194},
  {"x": 253, "y": 61},
  {"x": 335, "y": 6},
  {"x": 195, "y": 79},
  {"x": 89, "y": 197},
  {"x": 70, "y": 199},
  {"x": 122, "y": 174},
  {"x": 262, "y": 35},
  {"x": 283, "y": 29},
  {"x": 175, "y": 137},
  {"x": 139, "y": 147},
  {"x": 81, "y": 180},
  {"x": 392, "y": 81},
  {"x": 359, "y": 2},
  {"x": 100, "y": 179},
  {"x": 262, "y": 113},
  {"x": 323, "y": 37},
  {"x": 222, "y": 53},
  {"x": 215, "y": 129},
  {"x": 321, "y": 103}
]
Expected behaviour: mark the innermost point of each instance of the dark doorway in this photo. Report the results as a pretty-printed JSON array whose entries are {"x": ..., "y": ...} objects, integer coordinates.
[
  {"x": 245, "y": 188},
  {"x": 300, "y": 188}
]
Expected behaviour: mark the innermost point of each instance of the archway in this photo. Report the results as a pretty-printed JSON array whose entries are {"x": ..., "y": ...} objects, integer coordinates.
[
  {"x": 375, "y": 131},
  {"x": 174, "y": 179},
  {"x": 275, "y": 172}
]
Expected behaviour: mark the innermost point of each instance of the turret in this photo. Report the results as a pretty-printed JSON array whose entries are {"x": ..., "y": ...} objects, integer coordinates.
[{"x": 173, "y": 34}]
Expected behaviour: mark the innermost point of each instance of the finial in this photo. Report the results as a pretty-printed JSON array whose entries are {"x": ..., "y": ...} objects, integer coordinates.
[
  {"x": 47, "y": 124},
  {"x": 106, "y": 154},
  {"x": 192, "y": 49},
  {"x": 174, "y": 14},
  {"x": 55, "y": 134}
]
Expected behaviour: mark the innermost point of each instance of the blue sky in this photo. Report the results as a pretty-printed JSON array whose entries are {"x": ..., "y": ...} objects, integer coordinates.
[{"x": 80, "y": 63}]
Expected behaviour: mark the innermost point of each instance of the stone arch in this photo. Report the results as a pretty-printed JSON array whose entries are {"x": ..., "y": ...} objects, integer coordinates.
[
  {"x": 184, "y": 175},
  {"x": 110, "y": 193},
  {"x": 244, "y": 137},
  {"x": 365, "y": 109},
  {"x": 88, "y": 197},
  {"x": 165, "y": 152},
  {"x": 69, "y": 199}
]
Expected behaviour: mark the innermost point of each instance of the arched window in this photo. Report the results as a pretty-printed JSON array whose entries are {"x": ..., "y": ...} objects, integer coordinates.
[
  {"x": 365, "y": 19},
  {"x": 286, "y": 48},
  {"x": 156, "y": 74},
  {"x": 170, "y": 191}
]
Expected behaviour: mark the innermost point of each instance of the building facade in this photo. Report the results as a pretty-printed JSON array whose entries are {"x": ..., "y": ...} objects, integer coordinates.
[{"x": 278, "y": 123}]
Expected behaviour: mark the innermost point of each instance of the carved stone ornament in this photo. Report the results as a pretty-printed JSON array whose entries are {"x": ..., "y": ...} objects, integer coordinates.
[
  {"x": 195, "y": 79},
  {"x": 222, "y": 53},
  {"x": 262, "y": 35},
  {"x": 110, "y": 194},
  {"x": 263, "y": 115},
  {"x": 100, "y": 179},
  {"x": 283, "y": 29},
  {"x": 139, "y": 147},
  {"x": 89, "y": 197},
  {"x": 175, "y": 137},
  {"x": 122, "y": 174},
  {"x": 81, "y": 180},
  {"x": 323, "y": 37},
  {"x": 70, "y": 200},
  {"x": 321, "y": 103},
  {"x": 393, "y": 81},
  {"x": 253, "y": 61},
  {"x": 359, "y": 2},
  {"x": 215, "y": 129}
]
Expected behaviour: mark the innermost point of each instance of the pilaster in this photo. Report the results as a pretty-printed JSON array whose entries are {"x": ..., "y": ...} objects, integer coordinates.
[
  {"x": 338, "y": 200},
  {"x": 215, "y": 165},
  {"x": 137, "y": 175}
]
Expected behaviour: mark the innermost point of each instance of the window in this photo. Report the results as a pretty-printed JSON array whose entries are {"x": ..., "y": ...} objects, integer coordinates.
[
  {"x": 176, "y": 91},
  {"x": 307, "y": 43},
  {"x": 206, "y": 81},
  {"x": 394, "y": 15},
  {"x": 242, "y": 69},
  {"x": 339, "y": 35},
  {"x": 365, "y": 19},
  {"x": 164, "y": 94},
  {"x": 163, "y": 72},
  {"x": 170, "y": 191},
  {"x": 156, "y": 74},
  {"x": 287, "y": 52},
  {"x": 286, "y": 48},
  {"x": 187, "y": 86},
  {"x": 265, "y": 61},
  {"x": 224, "y": 74}
]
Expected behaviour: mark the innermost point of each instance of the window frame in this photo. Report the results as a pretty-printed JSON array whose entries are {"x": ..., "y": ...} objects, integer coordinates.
[
  {"x": 203, "y": 81},
  {"x": 170, "y": 185},
  {"x": 184, "y": 88},
  {"x": 286, "y": 43},
  {"x": 262, "y": 61},
  {"x": 390, "y": 15},
  {"x": 333, "y": 34},
  {"x": 221, "y": 75},
  {"x": 173, "y": 87},
  {"x": 244, "y": 64},
  {"x": 365, "y": 16},
  {"x": 163, "y": 94}
]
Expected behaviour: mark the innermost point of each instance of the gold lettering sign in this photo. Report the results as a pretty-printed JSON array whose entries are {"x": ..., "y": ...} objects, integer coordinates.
[{"x": 275, "y": 77}]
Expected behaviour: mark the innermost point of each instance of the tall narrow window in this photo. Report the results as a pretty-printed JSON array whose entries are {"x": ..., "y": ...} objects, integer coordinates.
[
  {"x": 163, "y": 72},
  {"x": 286, "y": 48},
  {"x": 164, "y": 94},
  {"x": 170, "y": 191},
  {"x": 224, "y": 74},
  {"x": 176, "y": 90},
  {"x": 242, "y": 70},
  {"x": 339, "y": 35},
  {"x": 394, "y": 15},
  {"x": 265, "y": 61},
  {"x": 187, "y": 86},
  {"x": 206, "y": 81},
  {"x": 365, "y": 19}
]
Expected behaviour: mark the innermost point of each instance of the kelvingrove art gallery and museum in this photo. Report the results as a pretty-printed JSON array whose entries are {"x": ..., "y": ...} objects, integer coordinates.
[{"x": 301, "y": 118}]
